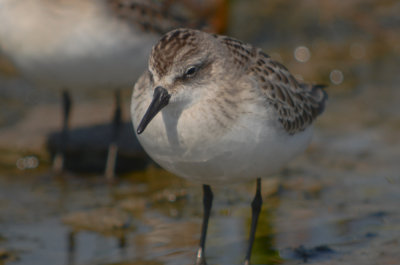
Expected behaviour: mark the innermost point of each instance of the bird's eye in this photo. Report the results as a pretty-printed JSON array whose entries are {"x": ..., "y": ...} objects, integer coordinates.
[{"x": 190, "y": 71}]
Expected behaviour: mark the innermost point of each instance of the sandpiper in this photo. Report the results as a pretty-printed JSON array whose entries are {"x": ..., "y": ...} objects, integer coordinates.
[
  {"x": 213, "y": 109},
  {"x": 83, "y": 45}
]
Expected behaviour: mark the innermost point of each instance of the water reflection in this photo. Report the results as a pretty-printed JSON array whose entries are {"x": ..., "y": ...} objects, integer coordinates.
[
  {"x": 74, "y": 248},
  {"x": 90, "y": 232}
]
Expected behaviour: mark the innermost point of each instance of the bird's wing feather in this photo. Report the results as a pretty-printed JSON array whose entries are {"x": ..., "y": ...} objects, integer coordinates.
[{"x": 297, "y": 104}]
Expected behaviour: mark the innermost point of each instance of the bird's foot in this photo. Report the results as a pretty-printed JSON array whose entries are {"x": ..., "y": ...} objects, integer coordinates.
[{"x": 201, "y": 259}]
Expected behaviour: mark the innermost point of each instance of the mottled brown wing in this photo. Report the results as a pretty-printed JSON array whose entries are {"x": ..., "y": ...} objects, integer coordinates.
[
  {"x": 150, "y": 16},
  {"x": 297, "y": 104}
]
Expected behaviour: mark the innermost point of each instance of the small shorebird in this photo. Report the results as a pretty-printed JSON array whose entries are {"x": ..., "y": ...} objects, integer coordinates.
[
  {"x": 213, "y": 109},
  {"x": 84, "y": 44}
]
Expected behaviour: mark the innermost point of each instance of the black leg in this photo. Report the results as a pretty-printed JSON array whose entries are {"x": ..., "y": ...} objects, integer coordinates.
[
  {"x": 112, "y": 155},
  {"x": 256, "y": 209},
  {"x": 58, "y": 162},
  {"x": 207, "y": 203}
]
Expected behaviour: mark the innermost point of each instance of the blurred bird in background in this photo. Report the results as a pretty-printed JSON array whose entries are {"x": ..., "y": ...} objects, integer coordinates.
[
  {"x": 87, "y": 47},
  {"x": 93, "y": 44}
]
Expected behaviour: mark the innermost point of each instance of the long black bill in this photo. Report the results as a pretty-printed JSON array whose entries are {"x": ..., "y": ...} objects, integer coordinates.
[{"x": 160, "y": 100}]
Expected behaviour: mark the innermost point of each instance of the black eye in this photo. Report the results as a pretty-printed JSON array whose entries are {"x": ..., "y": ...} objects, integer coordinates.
[{"x": 190, "y": 71}]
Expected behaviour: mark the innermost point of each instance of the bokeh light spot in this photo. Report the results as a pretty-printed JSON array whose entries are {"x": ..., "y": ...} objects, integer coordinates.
[
  {"x": 27, "y": 162},
  {"x": 302, "y": 54},
  {"x": 357, "y": 51},
  {"x": 336, "y": 77}
]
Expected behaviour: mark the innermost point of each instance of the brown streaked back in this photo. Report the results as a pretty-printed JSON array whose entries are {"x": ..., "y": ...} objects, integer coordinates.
[
  {"x": 168, "y": 47},
  {"x": 297, "y": 104}
]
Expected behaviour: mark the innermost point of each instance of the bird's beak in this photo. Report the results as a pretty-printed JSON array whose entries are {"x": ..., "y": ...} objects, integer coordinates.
[{"x": 160, "y": 100}]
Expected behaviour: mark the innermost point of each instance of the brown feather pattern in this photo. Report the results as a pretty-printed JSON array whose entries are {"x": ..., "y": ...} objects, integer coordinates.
[
  {"x": 150, "y": 16},
  {"x": 297, "y": 104}
]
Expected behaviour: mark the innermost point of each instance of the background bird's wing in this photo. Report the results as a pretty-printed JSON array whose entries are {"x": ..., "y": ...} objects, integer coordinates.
[{"x": 150, "y": 16}]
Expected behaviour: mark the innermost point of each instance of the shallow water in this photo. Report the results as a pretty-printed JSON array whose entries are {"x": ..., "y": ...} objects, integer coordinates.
[
  {"x": 61, "y": 220},
  {"x": 337, "y": 204}
]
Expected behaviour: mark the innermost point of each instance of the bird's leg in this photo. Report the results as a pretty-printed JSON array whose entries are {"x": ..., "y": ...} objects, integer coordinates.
[
  {"x": 112, "y": 155},
  {"x": 58, "y": 162},
  {"x": 207, "y": 203},
  {"x": 256, "y": 209}
]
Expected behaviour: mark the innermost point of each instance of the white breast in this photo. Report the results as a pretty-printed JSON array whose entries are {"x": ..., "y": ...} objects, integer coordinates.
[{"x": 191, "y": 147}]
